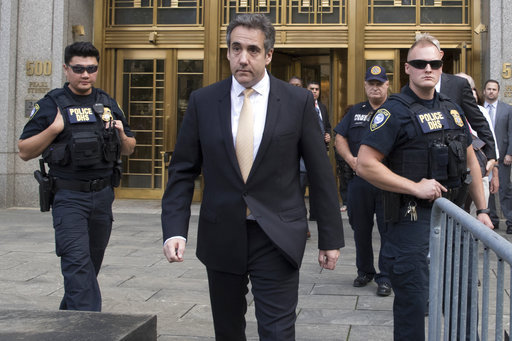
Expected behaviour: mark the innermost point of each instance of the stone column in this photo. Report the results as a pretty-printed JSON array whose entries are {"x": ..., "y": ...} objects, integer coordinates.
[
  {"x": 500, "y": 40},
  {"x": 8, "y": 33}
]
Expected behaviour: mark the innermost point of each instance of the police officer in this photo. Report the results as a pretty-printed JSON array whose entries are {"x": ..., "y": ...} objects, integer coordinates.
[
  {"x": 364, "y": 199},
  {"x": 425, "y": 144},
  {"x": 80, "y": 132}
]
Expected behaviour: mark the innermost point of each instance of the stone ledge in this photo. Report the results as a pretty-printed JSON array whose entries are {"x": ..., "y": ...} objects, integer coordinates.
[{"x": 32, "y": 325}]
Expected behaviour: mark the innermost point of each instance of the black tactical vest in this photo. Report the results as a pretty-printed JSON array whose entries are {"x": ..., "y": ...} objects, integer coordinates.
[
  {"x": 84, "y": 144},
  {"x": 436, "y": 148}
]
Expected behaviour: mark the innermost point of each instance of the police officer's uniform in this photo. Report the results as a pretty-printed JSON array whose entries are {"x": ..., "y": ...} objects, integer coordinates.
[
  {"x": 364, "y": 199},
  {"x": 420, "y": 139},
  {"x": 83, "y": 161}
]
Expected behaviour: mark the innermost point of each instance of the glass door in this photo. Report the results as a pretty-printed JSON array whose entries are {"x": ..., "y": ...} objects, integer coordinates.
[
  {"x": 143, "y": 82},
  {"x": 153, "y": 88}
]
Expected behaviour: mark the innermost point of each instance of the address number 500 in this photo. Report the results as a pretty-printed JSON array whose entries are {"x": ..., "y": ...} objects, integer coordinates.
[{"x": 39, "y": 68}]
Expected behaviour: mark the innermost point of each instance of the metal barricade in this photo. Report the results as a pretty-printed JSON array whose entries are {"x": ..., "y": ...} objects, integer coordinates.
[{"x": 458, "y": 305}]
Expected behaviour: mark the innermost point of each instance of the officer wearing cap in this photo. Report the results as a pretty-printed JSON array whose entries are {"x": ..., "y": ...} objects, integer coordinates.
[
  {"x": 418, "y": 149},
  {"x": 81, "y": 133},
  {"x": 364, "y": 199}
]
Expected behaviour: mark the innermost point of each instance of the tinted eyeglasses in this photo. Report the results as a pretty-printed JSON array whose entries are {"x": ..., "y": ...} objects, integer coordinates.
[
  {"x": 79, "y": 69},
  {"x": 421, "y": 64}
]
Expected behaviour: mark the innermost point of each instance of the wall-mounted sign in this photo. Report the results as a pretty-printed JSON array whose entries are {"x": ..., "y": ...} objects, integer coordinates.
[{"x": 39, "y": 68}]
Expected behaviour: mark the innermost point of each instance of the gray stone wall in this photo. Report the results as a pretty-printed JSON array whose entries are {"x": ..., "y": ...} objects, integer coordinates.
[
  {"x": 33, "y": 35},
  {"x": 499, "y": 46}
]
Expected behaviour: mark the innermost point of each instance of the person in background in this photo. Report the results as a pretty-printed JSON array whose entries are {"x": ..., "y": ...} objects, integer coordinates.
[
  {"x": 501, "y": 118},
  {"x": 325, "y": 126},
  {"x": 492, "y": 186},
  {"x": 365, "y": 200}
]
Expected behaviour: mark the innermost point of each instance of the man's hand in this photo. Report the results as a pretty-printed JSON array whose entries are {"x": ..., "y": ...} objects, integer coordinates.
[
  {"x": 328, "y": 258},
  {"x": 429, "y": 189},
  {"x": 507, "y": 160},
  {"x": 327, "y": 138},
  {"x": 494, "y": 184},
  {"x": 58, "y": 123},
  {"x": 484, "y": 218},
  {"x": 488, "y": 167},
  {"x": 174, "y": 249}
]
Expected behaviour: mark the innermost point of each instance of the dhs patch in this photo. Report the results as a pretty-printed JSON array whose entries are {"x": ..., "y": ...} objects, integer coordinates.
[{"x": 379, "y": 119}]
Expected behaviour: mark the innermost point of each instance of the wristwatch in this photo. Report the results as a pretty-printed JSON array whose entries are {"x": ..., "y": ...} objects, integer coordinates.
[{"x": 483, "y": 210}]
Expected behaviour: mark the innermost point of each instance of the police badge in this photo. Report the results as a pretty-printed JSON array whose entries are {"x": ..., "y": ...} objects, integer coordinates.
[
  {"x": 107, "y": 115},
  {"x": 456, "y": 117}
]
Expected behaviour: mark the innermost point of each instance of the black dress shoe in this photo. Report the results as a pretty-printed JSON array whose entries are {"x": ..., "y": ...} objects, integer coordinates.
[
  {"x": 384, "y": 289},
  {"x": 362, "y": 280},
  {"x": 509, "y": 229}
]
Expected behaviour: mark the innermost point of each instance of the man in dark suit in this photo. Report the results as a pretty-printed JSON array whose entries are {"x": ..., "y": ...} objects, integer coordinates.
[
  {"x": 501, "y": 117},
  {"x": 252, "y": 223},
  {"x": 321, "y": 109},
  {"x": 325, "y": 126},
  {"x": 459, "y": 90}
]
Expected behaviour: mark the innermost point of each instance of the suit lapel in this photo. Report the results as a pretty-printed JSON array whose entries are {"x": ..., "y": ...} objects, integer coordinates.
[
  {"x": 273, "y": 109},
  {"x": 224, "y": 111}
]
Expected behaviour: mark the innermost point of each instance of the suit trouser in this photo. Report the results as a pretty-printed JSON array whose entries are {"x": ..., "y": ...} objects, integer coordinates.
[
  {"x": 505, "y": 194},
  {"x": 274, "y": 283},
  {"x": 407, "y": 250},
  {"x": 82, "y": 223},
  {"x": 365, "y": 200}
]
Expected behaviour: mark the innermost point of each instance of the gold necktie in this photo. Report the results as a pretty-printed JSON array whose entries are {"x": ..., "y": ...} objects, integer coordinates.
[{"x": 244, "y": 144}]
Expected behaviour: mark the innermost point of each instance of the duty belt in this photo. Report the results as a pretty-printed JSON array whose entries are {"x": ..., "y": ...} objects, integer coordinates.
[
  {"x": 451, "y": 195},
  {"x": 81, "y": 186}
]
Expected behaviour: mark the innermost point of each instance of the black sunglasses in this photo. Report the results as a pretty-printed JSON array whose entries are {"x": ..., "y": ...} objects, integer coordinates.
[
  {"x": 80, "y": 69},
  {"x": 421, "y": 64}
]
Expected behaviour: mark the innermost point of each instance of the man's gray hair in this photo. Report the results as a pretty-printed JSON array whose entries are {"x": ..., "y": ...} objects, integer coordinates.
[{"x": 255, "y": 21}]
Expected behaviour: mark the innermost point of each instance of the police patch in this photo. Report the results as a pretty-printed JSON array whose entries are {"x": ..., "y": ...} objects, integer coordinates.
[
  {"x": 379, "y": 119},
  {"x": 80, "y": 115},
  {"x": 456, "y": 117},
  {"x": 376, "y": 70},
  {"x": 34, "y": 111}
]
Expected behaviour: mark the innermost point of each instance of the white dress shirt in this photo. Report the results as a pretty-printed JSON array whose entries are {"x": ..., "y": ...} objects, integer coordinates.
[{"x": 259, "y": 101}]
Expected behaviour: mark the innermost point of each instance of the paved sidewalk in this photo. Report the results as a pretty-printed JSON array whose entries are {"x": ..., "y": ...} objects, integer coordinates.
[{"x": 136, "y": 279}]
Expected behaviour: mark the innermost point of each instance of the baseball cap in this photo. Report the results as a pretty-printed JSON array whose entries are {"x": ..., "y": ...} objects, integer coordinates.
[{"x": 376, "y": 72}]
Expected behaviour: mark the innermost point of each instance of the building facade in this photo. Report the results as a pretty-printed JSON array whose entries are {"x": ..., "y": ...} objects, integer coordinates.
[{"x": 155, "y": 52}]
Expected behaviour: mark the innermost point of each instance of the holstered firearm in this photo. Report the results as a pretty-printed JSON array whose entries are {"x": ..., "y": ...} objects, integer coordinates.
[
  {"x": 459, "y": 196},
  {"x": 45, "y": 187},
  {"x": 117, "y": 172},
  {"x": 391, "y": 203}
]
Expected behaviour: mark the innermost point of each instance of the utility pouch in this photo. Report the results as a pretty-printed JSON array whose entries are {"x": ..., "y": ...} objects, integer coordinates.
[
  {"x": 111, "y": 146},
  {"x": 85, "y": 149},
  {"x": 45, "y": 188},
  {"x": 439, "y": 161},
  {"x": 391, "y": 203},
  {"x": 457, "y": 157},
  {"x": 117, "y": 172}
]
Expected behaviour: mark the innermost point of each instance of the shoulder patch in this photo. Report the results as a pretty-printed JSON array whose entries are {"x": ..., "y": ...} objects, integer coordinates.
[
  {"x": 34, "y": 111},
  {"x": 379, "y": 119}
]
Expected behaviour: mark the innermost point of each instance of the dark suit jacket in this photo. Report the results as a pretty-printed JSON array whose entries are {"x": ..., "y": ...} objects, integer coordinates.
[
  {"x": 503, "y": 128},
  {"x": 325, "y": 117},
  {"x": 272, "y": 192},
  {"x": 459, "y": 90}
]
